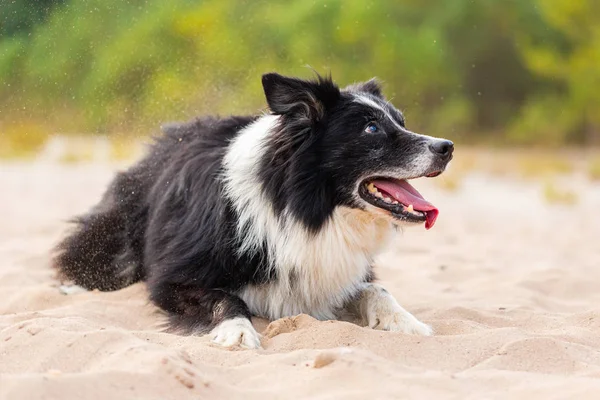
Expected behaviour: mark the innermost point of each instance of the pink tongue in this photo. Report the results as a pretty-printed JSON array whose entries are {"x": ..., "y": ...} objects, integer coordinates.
[{"x": 404, "y": 193}]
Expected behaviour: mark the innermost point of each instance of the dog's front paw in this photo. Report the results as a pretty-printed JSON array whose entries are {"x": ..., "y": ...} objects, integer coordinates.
[
  {"x": 236, "y": 332},
  {"x": 399, "y": 321},
  {"x": 384, "y": 313}
]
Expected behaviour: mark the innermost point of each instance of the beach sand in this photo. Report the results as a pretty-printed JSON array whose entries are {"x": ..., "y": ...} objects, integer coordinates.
[{"x": 509, "y": 282}]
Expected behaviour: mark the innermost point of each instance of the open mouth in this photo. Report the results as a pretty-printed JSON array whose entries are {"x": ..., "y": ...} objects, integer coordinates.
[{"x": 398, "y": 197}]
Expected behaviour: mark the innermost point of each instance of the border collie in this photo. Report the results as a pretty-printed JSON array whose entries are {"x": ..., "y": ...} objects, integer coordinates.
[{"x": 271, "y": 215}]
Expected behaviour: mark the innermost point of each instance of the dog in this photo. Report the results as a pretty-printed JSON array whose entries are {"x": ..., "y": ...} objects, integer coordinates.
[{"x": 271, "y": 215}]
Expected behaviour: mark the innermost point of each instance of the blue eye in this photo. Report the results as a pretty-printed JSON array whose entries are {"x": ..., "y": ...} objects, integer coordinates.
[{"x": 371, "y": 128}]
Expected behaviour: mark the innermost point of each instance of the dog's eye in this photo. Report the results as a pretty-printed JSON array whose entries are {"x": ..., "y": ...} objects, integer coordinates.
[{"x": 371, "y": 128}]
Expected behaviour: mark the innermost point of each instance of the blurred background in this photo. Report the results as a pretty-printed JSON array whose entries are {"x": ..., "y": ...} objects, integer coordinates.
[
  {"x": 510, "y": 273},
  {"x": 486, "y": 72}
]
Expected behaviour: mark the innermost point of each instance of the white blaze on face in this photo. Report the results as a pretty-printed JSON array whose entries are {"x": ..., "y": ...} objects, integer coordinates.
[
  {"x": 377, "y": 105},
  {"x": 382, "y": 107}
]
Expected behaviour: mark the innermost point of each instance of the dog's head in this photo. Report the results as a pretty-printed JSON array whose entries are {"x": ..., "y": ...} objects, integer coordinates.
[{"x": 347, "y": 147}]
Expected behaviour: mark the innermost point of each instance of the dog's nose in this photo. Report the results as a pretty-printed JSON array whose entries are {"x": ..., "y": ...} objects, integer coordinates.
[{"x": 442, "y": 148}]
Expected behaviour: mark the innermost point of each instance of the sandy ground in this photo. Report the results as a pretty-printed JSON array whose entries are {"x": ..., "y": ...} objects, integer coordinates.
[{"x": 509, "y": 283}]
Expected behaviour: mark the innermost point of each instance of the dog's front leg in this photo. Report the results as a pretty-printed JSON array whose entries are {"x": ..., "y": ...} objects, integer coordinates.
[
  {"x": 196, "y": 310},
  {"x": 378, "y": 309}
]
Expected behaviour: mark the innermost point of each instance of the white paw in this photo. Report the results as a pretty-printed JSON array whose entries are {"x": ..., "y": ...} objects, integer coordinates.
[
  {"x": 384, "y": 313},
  {"x": 399, "y": 321},
  {"x": 236, "y": 332},
  {"x": 71, "y": 289}
]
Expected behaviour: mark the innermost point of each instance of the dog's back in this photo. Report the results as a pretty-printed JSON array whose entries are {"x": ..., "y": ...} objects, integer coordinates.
[{"x": 105, "y": 250}]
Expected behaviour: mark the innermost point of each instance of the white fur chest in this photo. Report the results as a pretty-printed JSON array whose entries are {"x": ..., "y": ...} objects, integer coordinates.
[{"x": 317, "y": 275}]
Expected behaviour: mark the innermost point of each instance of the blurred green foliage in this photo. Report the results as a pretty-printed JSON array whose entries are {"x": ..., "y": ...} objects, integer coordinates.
[{"x": 517, "y": 71}]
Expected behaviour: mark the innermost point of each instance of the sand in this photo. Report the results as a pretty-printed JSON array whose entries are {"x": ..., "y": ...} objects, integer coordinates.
[{"x": 508, "y": 282}]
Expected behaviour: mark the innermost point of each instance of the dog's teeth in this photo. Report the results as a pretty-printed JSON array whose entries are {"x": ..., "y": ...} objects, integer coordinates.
[
  {"x": 387, "y": 199},
  {"x": 410, "y": 208},
  {"x": 378, "y": 194},
  {"x": 371, "y": 188},
  {"x": 395, "y": 202}
]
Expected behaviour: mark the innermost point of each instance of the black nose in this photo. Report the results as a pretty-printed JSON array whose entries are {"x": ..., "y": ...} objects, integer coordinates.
[{"x": 443, "y": 148}]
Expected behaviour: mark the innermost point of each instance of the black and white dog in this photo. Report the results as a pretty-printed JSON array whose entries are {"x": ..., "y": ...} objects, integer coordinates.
[{"x": 271, "y": 215}]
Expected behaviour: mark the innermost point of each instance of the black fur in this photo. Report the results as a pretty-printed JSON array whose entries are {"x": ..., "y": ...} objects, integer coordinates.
[{"x": 167, "y": 220}]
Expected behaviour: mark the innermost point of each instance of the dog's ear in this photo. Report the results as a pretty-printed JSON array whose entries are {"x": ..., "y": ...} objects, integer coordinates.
[
  {"x": 292, "y": 96},
  {"x": 372, "y": 86}
]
